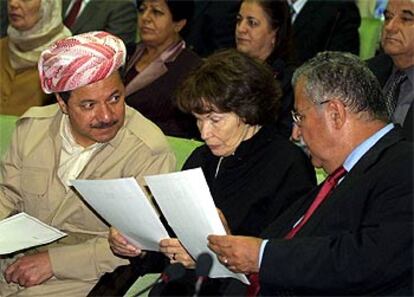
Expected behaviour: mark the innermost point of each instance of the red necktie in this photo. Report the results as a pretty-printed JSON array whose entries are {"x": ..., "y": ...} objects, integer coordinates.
[
  {"x": 324, "y": 192},
  {"x": 73, "y": 13}
]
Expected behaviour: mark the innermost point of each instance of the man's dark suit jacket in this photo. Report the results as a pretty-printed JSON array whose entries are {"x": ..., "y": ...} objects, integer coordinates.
[
  {"x": 359, "y": 241},
  {"x": 212, "y": 26},
  {"x": 382, "y": 66},
  {"x": 117, "y": 17},
  {"x": 326, "y": 25}
]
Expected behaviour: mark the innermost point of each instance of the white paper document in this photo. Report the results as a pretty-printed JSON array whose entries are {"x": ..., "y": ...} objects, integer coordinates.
[
  {"x": 186, "y": 202},
  {"x": 123, "y": 204},
  {"x": 23, "y": 231}
]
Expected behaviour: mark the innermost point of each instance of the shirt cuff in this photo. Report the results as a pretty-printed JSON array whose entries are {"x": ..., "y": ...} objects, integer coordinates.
[{"x": 262, "y": 248}]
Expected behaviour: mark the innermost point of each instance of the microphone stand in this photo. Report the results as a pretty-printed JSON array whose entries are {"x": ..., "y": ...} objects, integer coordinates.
[
  {"x": 203, "y": 267},
  {"x": 171, "y": 273}
]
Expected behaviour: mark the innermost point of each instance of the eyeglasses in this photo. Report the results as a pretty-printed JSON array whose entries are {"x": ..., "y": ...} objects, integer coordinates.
[{"x": 299, "y": 116}]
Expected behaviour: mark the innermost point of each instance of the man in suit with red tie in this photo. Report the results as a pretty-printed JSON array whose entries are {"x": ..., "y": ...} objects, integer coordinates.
[
  {"x": 352, "y": 235},
  {"x": 395, "y": 68}
]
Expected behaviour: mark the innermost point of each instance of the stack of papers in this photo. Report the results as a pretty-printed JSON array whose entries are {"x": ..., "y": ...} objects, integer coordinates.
[
  {"x": 123, "y": 204},
  {"x": 187, "y": 204},
  {"x": 22, "y": 231},
  {"x": 184, "y": 199}
]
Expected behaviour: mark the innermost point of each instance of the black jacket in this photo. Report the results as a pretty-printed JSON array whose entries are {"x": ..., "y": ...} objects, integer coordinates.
[{"x": 326, "y": 25}]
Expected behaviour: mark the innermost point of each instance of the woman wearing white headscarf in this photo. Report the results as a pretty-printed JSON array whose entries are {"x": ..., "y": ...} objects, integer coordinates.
[{"x": 33, "y": 26}]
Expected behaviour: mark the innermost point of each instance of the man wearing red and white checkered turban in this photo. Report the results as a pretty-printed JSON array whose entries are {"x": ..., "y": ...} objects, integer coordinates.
[
  {"x": 80, "y": 60},
  {"x": 84, "y": 68},
  {"x": 89, "y": 134}
]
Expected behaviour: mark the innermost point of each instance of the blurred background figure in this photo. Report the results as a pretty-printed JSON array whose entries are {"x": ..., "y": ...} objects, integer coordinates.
[
  {"x": 263, "y": 31},
  {"x": 118, "y": 17},
  {"x": 212, "y": 26},
  {"x": 4, "y": 21},
  {"x": 395, "y": 67},
  {"x": 372, "y": 8},
  {"x": 33, "y": 26},
  {"x": 324, "y": 25},
  {"x": 160, "y": 62}
]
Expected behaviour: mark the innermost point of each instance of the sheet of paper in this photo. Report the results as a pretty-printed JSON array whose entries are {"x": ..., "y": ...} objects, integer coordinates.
[
  {"x": 186, "y": 202},
  {"x": 123, "y": 204},
  {"x": 23, "y": 231}
]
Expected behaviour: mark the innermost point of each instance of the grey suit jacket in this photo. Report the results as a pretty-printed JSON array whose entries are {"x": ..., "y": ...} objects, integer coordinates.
[{"x": 118, "y": 17}]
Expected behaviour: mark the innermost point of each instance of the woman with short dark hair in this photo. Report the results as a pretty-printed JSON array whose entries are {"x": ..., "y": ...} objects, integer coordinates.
[
  {"x": 160, "y": 62},
  {"x": 252, "y": 171}
]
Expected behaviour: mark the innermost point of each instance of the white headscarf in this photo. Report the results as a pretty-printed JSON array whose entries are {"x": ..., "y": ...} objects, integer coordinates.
[{"x": 26, "y": 46}]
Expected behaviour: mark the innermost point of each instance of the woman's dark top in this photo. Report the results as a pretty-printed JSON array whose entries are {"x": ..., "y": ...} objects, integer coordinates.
[
  {"x": 265, "y": 175},
  {"x": 283, "y": 72},
  {"x": 156, "y": 101}
]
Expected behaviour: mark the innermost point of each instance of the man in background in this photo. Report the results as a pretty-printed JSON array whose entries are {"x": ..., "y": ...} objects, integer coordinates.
[{"x": 395, "y": 68}]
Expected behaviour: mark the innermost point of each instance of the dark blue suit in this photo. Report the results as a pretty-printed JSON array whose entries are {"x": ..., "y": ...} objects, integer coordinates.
[{"x": 359, "y": 241}]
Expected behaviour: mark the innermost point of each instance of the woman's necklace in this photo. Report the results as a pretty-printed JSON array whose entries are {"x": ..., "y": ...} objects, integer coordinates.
[{"x": 218, "y": 166}]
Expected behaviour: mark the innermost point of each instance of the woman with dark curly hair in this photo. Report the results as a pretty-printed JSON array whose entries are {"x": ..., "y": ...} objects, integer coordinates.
[
  {"x": 263, "y": 31},
  {"x": 160, "y": 62}
]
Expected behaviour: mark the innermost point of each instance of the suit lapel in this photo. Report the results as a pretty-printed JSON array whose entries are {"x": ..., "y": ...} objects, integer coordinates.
[
  {"x": 88, "y": 13},
  {"x": 384, "y": 69},
  {"x": 303, "y": 18},
  {"x": 360, "y": 168},
  {"x": 408, "y": 124},
  {"x": 280, "y": 227},
  {"x": 200, "y": 7},
  {"x": 65, "y": 4}
]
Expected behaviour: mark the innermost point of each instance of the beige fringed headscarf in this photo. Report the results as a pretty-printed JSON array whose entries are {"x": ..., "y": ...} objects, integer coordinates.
[{"x": 25, "y": 46}]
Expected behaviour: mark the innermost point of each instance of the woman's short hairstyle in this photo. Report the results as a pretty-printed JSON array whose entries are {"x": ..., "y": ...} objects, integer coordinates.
[
  {"x": 180, "y": 9},
  {"x": 230, "y": 81}
]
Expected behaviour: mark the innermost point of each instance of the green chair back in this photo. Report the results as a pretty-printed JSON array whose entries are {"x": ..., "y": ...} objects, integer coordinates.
[
  {"x": 369, "y": 36},
  {"x": 7, "y": 124},
  {"x": 182, "y": 148}
]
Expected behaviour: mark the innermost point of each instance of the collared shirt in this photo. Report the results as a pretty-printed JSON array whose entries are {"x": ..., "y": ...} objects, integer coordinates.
[
  {"x": 83, "y": 5},
  {"x": 405, "y": 97},
  {"x": 296, "y": 6},
  {"x": 353, "y": 158},
  {"x": 73, "y": 157}
]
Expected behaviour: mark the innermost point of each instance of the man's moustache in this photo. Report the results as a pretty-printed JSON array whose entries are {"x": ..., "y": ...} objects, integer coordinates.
[{"x": 104, "y": 125}]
